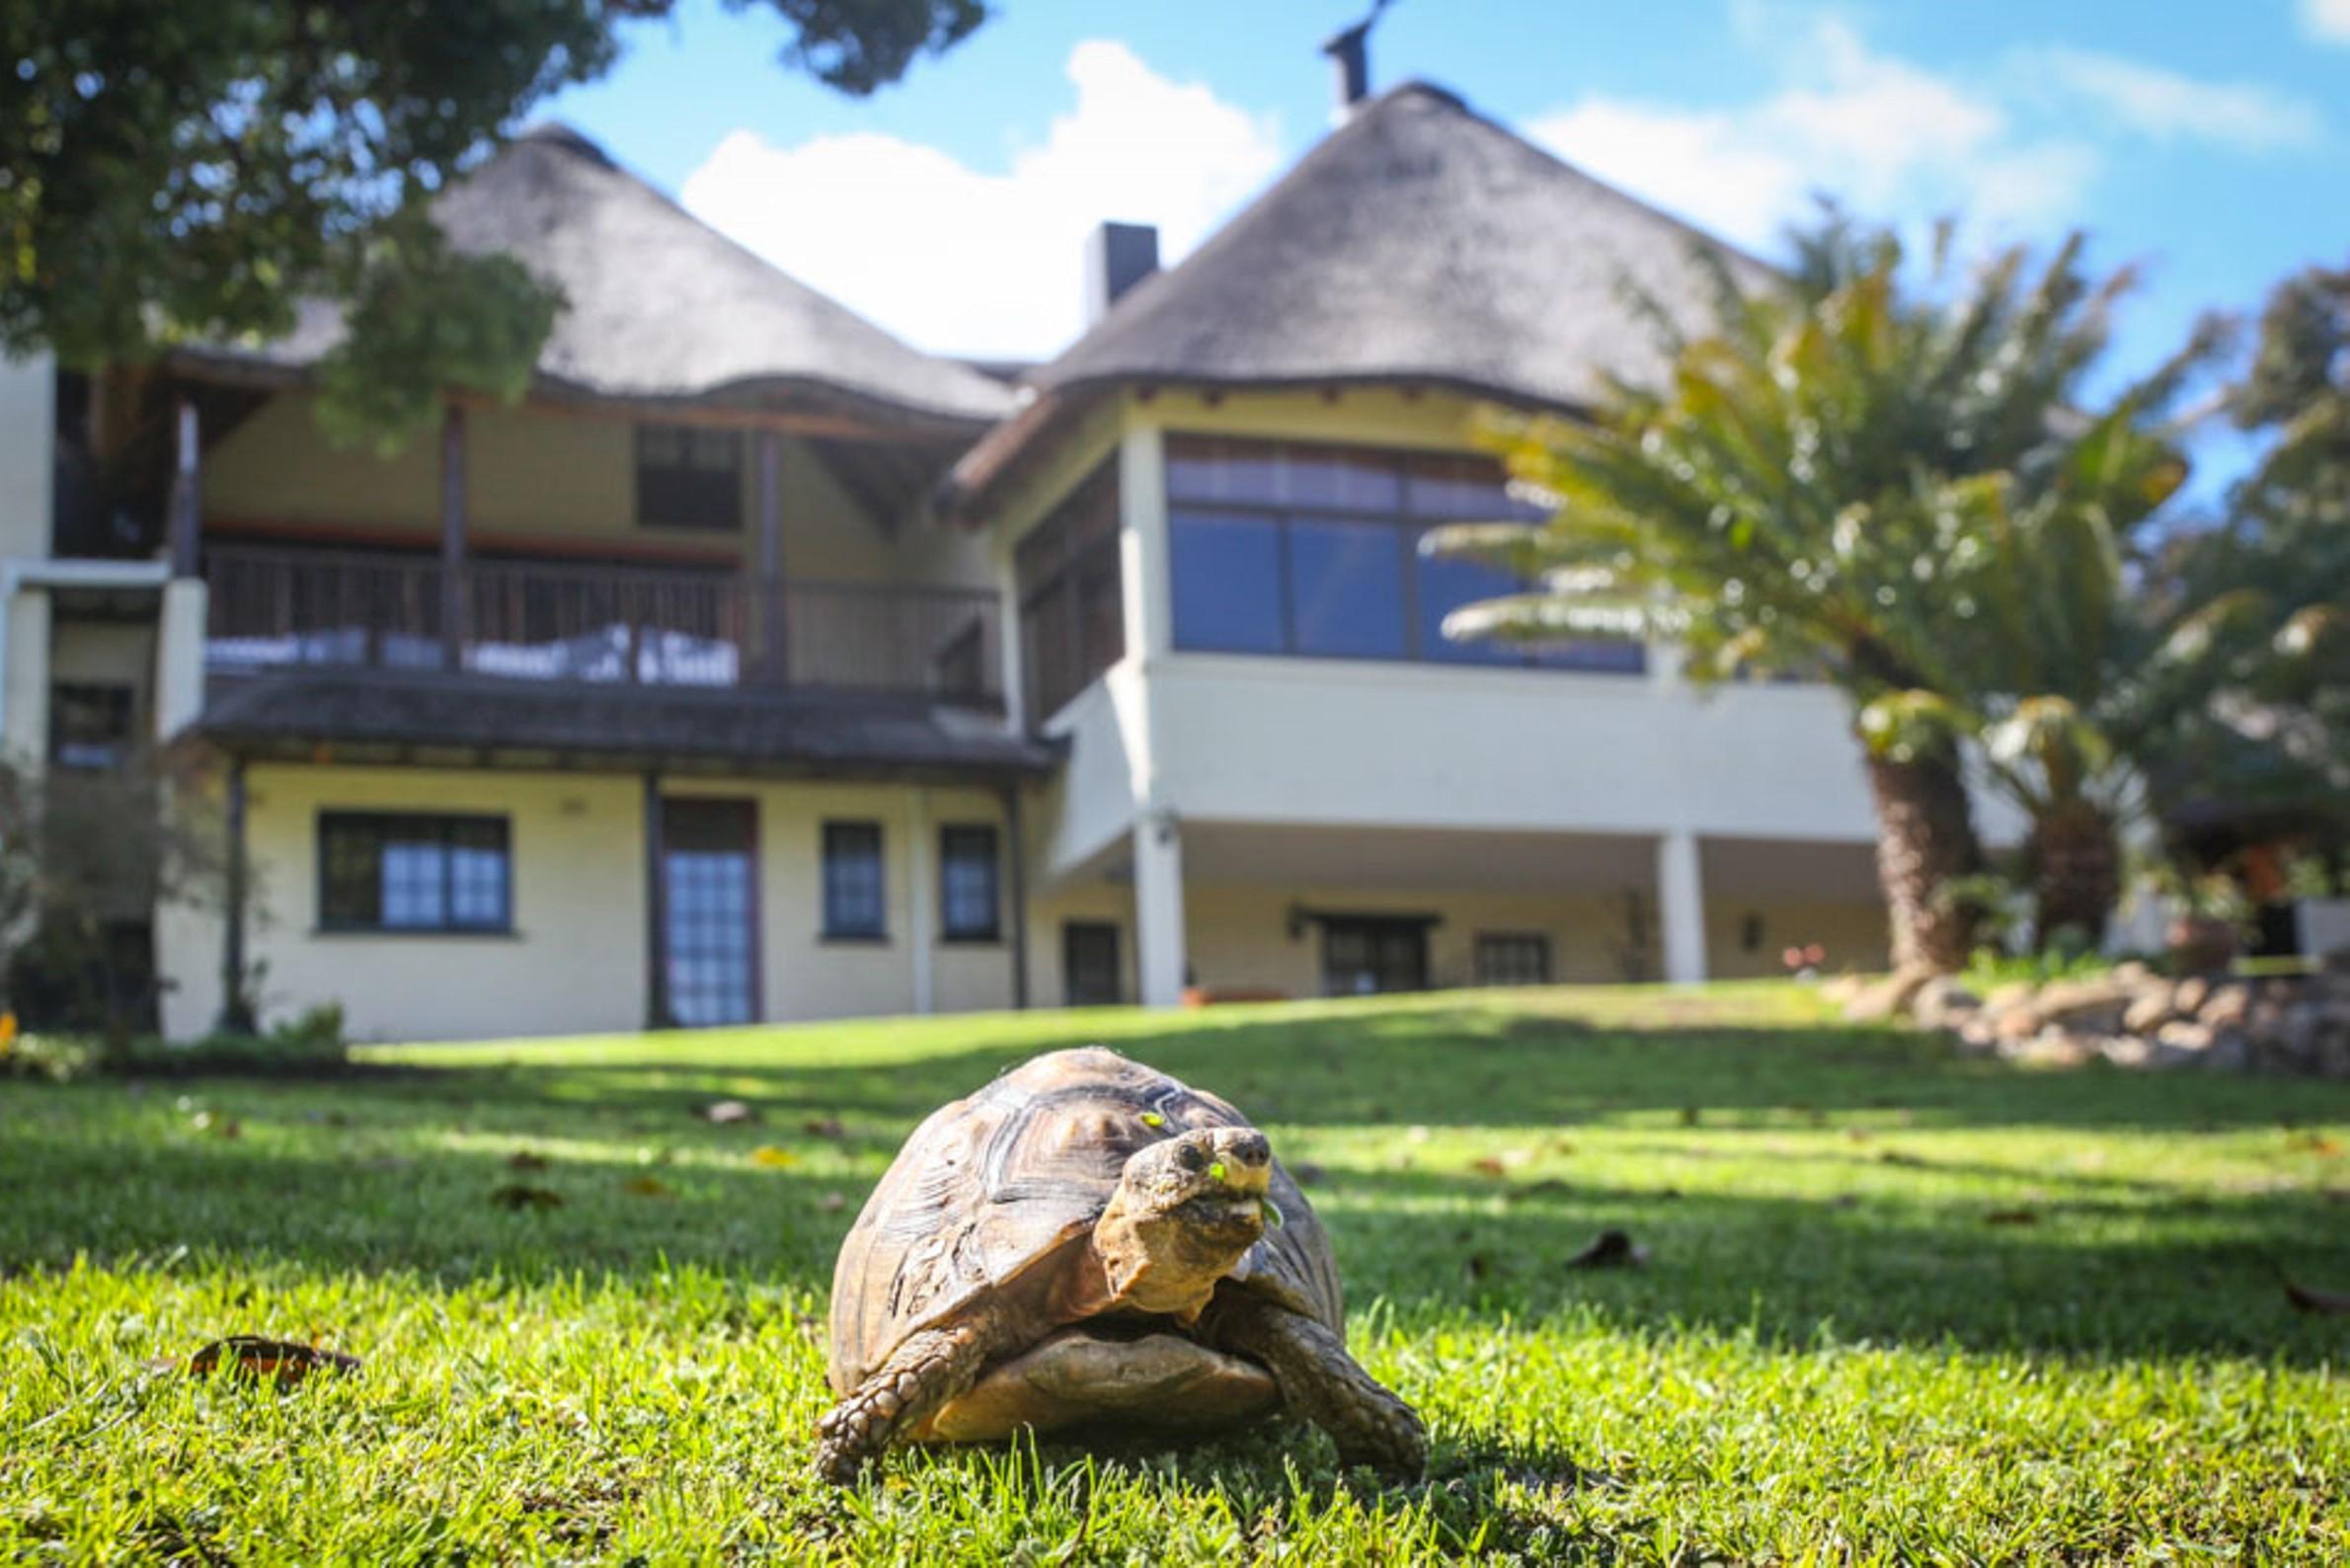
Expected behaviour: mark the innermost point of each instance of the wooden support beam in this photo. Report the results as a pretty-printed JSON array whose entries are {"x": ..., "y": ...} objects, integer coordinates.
[
  {"x": 186, "y": 496},
  {"x": 236, "y": 1007},
  {"x": 453, "y": 600},
  {"x": 774, "y": 639},
  {"x": 657, "y": 913},
  {"x": 1015, "y": 850}
]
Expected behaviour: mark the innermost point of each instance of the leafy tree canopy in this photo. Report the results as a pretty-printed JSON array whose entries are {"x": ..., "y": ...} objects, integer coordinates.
[{"x": 193, "y": 170}]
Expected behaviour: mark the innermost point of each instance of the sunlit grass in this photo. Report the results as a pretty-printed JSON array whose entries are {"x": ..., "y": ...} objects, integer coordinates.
[{"x": 1898, "y": 1307}]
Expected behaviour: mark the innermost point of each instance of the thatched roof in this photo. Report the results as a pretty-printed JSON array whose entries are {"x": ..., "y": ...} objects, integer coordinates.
[
  {"x": 661, "y": 306},
  {"x": 365, "y": 715},
  {"x": 1419, "y": 244}
]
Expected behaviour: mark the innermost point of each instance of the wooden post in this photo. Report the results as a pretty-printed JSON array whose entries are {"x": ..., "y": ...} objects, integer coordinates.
[
  {"x": 657, "y": 913},
  {"x": 1015, "y": 849},
  {"x": 774, "y": 649},
  {"x": 236, "y": 1008},
  {"x": 454, "y": 599},
  {"x": 186, "y": 501}
]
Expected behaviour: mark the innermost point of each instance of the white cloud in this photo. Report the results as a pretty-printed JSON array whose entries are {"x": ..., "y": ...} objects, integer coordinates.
[
  {"x": 957, "y": 260},
  {"x": 2170, "y": 107},
  {"x": 2326, "y": 18},
  {"x": 1893, "y": 140}
]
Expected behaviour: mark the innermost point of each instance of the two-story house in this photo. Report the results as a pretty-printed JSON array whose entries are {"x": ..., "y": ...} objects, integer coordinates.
[{"x": 758, "y": 667}]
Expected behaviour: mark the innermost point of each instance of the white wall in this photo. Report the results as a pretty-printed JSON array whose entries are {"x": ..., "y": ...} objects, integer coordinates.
[{"x": 28, "y": 426}]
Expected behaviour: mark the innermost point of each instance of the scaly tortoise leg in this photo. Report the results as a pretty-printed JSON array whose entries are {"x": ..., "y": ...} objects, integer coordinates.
[
  {"x": 1320, "y": 1381},
  {"x": 931, "y": 1367}
]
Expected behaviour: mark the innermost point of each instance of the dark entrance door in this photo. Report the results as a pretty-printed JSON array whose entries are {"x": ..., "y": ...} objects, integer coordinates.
[
  {"x": 1089, "y": 964},
  {"x": 710, "y": 874},
  {"x": 1363, "y": 955}
]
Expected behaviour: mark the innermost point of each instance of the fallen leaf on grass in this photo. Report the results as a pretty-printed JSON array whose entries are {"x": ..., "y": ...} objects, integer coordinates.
[
  {"x": 526, "y": 1160},
  {"x": 2013, "y": 1217},
  {"x": 518, "y": 1195},
  {"x": 1489, "y": 1165},
  {"x": 1609, "y": 1249},
  {"x": 1894, "y": 1156},
  {"x": 2319, "y": 1144},
  {"x": 2326, "y": 1303},
  {"x": 826, "y": 1127},
  {"x": 727, "y": 1113},
  {"x": 256, "y": 1357},
  {"x": 648, "y": 1186},
  {"x": 769, "y": 1157}
]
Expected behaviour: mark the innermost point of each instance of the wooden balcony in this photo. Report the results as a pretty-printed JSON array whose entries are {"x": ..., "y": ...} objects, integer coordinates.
[{"x": 276, "y": 608}]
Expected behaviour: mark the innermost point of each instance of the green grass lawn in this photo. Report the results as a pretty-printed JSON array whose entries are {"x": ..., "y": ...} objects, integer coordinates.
[{"x": 1898, "y": 1307}]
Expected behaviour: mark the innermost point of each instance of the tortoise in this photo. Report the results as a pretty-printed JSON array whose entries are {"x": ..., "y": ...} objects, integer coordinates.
[{"x": 1088, "y": 1242}]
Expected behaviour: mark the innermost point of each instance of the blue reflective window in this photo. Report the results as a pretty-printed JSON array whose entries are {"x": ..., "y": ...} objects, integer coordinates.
[
  {"x": 1446, "y": 585},
  {"x": 1346, "y": 589},
  {"x": 1227, "y": 582}
]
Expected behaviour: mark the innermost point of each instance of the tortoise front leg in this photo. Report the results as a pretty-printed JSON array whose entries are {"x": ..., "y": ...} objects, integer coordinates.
[
  {"x": 931, "y": 1367},
  {"x": 1320, "y": 1381}
]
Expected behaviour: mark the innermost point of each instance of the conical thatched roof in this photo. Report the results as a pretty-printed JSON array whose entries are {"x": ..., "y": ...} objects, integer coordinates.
[
  {"x": 661, "y": 305},
  {"x": 1419, "y": 241}
]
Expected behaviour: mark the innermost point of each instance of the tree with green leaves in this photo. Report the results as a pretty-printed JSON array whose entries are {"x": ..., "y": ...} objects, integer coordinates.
[
  {"x": 1808, "y": 491},
  {"x": 195, "y": 170}
]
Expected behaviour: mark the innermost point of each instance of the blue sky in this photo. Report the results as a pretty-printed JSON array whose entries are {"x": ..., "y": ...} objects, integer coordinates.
[{"x": 2207, "y": 139}]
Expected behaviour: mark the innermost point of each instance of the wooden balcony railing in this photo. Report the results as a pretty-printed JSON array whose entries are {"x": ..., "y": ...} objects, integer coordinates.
[{"x": 533, "y": 620}]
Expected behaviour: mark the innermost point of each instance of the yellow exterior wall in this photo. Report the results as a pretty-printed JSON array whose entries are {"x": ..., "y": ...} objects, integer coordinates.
[
  {"x": 532, "y": 474},
  {"x": 1856, "y": 935},
  {"x": 575, "y": 961}
]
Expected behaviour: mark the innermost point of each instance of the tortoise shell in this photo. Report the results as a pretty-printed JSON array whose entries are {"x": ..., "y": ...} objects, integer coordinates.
[{"x": 991, "y": 1189}]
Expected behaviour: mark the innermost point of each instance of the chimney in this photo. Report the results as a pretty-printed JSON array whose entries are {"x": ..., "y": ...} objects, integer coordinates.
[
  {"x": 1350, "y": 52},
  {"x": 1117, "y": 256}
]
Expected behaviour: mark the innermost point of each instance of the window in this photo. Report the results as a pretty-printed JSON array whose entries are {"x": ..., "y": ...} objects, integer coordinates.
[
  {"x": 1285, "y": 548},
  {"x": 1072, "y": 611},
  {"x": 967, "y": 891},
  {"x": 1367, "y": 955},
  {"x": 690, "y": 477},
  {"x": 90, "y": 726},
  {"x": 386, "y": 871},
  {"x": 855, "y": 908},
  {"x": 1513, "y": 958},
  {"x": 1089, "y": 965}
]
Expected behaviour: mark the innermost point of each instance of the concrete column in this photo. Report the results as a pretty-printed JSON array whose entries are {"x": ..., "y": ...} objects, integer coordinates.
[
  {"x": 1159, "y": 954},
  {"x": 1149, "y": 592},
  {"x": 1680, "y": 908},
  {"x": 921, "y": 917},
  {"x": 180, "y": 656},
  {"x": 25, "y": 720}
]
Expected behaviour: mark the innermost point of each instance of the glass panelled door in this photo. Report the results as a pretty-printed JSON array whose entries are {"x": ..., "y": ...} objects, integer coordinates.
[
  {"x": 1089, "y": 965},
  {"x": 1364, "y": 955},
  {"x": 710, "y": 877}
]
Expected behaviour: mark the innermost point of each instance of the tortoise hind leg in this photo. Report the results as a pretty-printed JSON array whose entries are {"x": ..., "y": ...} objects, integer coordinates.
[
  {"x": 931, "y": 1367},
  {"x": 1320, "y": 1381}
]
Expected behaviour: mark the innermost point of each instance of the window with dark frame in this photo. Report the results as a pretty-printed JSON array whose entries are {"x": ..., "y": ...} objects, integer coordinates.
[
  {"x": 1513, "y": 958},
  {"x": 969, "y": 903},
  {"x": 1313, "y": 551},
  {"x": 385, "y": 871},
  {"x": 689, "y": 476},
  {"x": 856, "y": 903},
  {"x": 1073, "y": 611},
  {"x": 90, "y": 726}
]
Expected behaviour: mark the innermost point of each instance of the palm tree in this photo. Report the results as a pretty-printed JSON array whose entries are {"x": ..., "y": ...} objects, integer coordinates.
[{"x": 1804, "y": 492}]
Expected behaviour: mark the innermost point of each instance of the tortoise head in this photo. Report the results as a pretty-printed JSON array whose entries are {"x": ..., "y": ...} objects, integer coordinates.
[{"x": 1185, "y": 1211}]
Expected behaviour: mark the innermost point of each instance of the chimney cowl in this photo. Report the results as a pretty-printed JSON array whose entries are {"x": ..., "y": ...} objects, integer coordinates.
[{"x": 1350, "y": 56}]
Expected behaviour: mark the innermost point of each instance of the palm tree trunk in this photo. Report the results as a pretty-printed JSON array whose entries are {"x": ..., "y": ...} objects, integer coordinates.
[
  {"x": 2077, "y": 873},
  {"x": 1925, "y": 837}
]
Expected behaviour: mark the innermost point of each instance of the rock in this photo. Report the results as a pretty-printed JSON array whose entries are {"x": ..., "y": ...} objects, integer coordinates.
[
  {"x": 2230, "y": 1005},
  {"x": 1841, "y": 989},
  {"x": 2009, "y": 998},
  {"x": 2134, "y": 974},
  {"x": 2126, "y": 1051},
  {"x": 1888, "y": 999},
  {"x": 2053, "y": 1047},
  {"x": 2150, "y": 1010},
  {"x": 2091, "y": 1006},
  {"x": 1976, "y": 1035},
  {"x": 2230, "y": 1051},
  {"x": 1943, "y": 1003},
  {"x": 2189, "y": 995},
  {"x": 2016, "y": 1023}
]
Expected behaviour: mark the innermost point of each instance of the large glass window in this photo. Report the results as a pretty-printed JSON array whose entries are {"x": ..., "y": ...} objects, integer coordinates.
[
  {"x": 967, "y": 901},
  {"x": 1286, "y": 548},
  {"x": 411, "y": 872},
  {"x": 855, "y": 905},
  {"x": 690, "y": 477},
  {"x": 1072, "y": 614}
]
